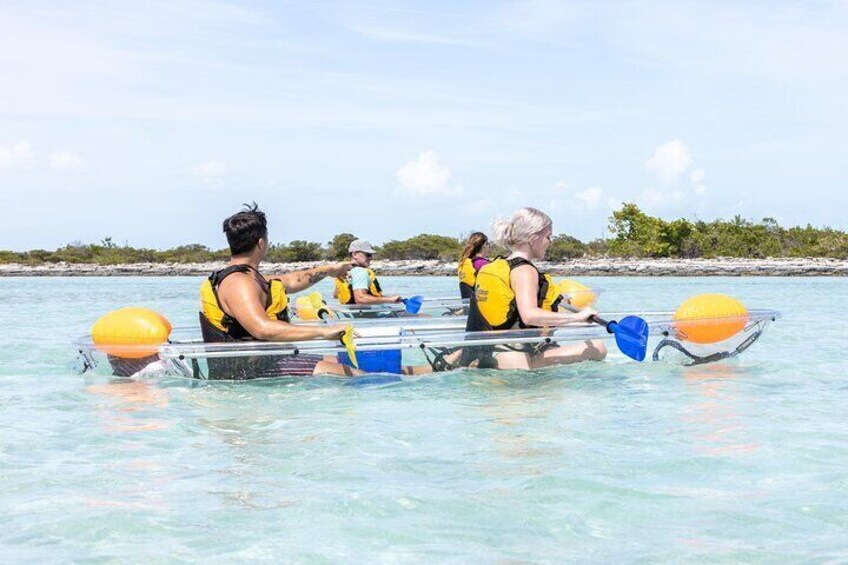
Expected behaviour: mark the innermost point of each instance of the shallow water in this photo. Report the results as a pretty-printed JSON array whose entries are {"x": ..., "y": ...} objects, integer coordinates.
[{"x": 744, "y": 460}]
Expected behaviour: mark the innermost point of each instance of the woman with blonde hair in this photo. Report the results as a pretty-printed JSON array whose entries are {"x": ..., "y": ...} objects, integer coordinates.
[
  {"x": 512, "y": 293},
  {"x": 470, "y": 262}
]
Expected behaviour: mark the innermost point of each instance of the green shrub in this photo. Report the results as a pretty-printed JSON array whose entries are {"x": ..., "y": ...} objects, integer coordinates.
[
  {"x": 637, "y": 234},
  {"x": 296, "y": 252},
  {"x": 565, "y": 247},
  {"x": 193, "y": 253},
  {"x": 37, "y": 256},
  {"x": 11, "y": 256},
  {"x": 634, "y": 234},
  {"x": 423, "y": 246},
  {"x": 597, "y": 247},
  {"x": 736, "y": 238},
  {"x": 337, "y": 248}
]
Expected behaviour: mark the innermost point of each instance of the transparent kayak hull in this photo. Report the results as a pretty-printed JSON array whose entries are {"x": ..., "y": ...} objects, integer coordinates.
[
  {"x": 427, "y": 307},
  {"x": 418, "y": 342}
]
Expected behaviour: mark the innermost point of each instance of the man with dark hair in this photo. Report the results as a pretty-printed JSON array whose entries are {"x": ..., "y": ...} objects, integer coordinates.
[
  {"x": 244, "y": 229},
  {"x": 238, "y": 303}
]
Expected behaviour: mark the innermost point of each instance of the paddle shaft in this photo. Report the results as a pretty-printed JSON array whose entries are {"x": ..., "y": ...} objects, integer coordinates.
[
  {"x": 631, "y": 334},
  {"x": 594, "y": 318}
]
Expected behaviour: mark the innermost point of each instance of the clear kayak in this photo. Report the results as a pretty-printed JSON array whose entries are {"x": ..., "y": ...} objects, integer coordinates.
[
  {"x": 415, "y": 306},
  {"x": 313, "y": 306},
  {"x": 425, "y": 343}
]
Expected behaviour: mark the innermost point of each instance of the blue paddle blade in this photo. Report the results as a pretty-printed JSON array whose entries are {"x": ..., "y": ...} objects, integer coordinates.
[
  {"x": 373, "y": 380},
  {"x": 413, "y": 304},
  {"x": 631, "y": 336}
]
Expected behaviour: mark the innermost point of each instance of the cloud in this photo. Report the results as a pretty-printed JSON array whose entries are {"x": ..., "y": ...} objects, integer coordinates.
[
  {"x": 696, "y": 177},
  {"x": 675, "y": 180},
  {"x": 65, "y": 161},
  {"x": 796, "y": 44},
  {"x": 590, "y": 198},
  {"x": 560, "y": 187},
  {"x": 559, "y": 195},
  {"x": 426, "y": 176},
  {"x": 18, "y": 156},
  {"x": 514, "y": 198},
  {"x": 210, "y": 170},
  {"x": 477, "y": 206},
  {"x": 660, "y": 198},
  {"x": 669, "y": 161}
]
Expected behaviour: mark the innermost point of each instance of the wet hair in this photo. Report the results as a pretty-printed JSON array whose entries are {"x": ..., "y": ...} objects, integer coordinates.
[
  {"x": 244, "y": 229},
  {"x": 475, "y": 243},
  {"x": 523, "y": 225}
]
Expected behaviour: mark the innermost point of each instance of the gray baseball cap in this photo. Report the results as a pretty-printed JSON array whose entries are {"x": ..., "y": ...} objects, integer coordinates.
[{"x": 361, "y": 245}]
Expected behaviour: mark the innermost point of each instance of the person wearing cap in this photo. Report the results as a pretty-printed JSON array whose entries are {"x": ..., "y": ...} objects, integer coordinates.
[{"x": 361, "y": 286}]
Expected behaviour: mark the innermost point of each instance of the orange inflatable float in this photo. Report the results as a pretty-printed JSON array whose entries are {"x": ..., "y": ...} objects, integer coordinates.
[{"x": 710, "y": 318}]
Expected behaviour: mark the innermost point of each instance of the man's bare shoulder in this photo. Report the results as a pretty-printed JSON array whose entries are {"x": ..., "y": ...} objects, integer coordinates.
[{"x": 238, "y": 282}]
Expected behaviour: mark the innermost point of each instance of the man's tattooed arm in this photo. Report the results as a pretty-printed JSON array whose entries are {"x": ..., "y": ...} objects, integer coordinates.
[{"x": 301, "y": 280}]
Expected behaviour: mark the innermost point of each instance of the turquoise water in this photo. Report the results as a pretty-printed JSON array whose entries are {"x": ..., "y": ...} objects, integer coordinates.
[{"x": 740, "y": 461}]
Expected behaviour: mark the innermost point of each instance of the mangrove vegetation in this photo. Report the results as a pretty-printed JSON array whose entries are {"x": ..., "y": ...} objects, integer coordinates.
[{"x": 633, "y": 233}]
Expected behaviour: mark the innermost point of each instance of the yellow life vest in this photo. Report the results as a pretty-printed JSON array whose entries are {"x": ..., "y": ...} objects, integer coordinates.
[
  {"x": 467, "y": 277},
  {"x": 466, "y": 272},
  {"x": 276, "y": 305},
  {"x": 344, "y": 288},
  {"x": 493, "y": 306}
]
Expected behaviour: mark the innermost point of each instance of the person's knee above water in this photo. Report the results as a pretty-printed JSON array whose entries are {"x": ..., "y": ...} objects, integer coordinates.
[
  {"x": 473, "y": 258},
  {"x": 239, "y": 303},
  {"x": 512, "y": 293},
  {"x": 361, "y": 286}
]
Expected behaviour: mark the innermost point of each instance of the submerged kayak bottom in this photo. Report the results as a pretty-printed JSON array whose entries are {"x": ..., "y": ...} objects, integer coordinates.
[{"x": 246, "y": 368}]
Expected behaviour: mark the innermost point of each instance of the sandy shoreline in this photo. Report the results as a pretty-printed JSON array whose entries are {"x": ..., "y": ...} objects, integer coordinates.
[{"x": 576, "y": 267}]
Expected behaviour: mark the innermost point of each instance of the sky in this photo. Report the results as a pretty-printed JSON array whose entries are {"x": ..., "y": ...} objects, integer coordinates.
[{"x": 150, "y": 122}]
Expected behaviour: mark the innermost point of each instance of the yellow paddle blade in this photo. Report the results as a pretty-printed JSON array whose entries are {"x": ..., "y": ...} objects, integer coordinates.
[
  {"x": 305, "y": 309},
  {"x": 350, "y": 346},
  {"x": 322, "y": 311}
]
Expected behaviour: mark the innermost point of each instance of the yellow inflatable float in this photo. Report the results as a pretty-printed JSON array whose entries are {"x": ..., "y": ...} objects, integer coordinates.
[
  {"x": 577, "y": 294},
  {"x": 130, "y": 333},
  {"x": 305, "y": 309}
]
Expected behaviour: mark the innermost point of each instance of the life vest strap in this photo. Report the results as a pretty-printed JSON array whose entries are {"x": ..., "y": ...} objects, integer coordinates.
[{"x": 276, "y": 301}]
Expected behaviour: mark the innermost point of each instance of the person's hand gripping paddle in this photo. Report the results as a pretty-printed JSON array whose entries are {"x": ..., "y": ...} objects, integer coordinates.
[{"x": 631, "y": 333}]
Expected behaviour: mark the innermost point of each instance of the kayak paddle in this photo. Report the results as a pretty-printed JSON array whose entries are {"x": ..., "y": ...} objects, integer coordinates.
[
  {"x": 413, "y": 303},
  {"x": 631, "y": 333},
  {"x": 322, "y": 311},
  {"x": 347, "y": 340}
]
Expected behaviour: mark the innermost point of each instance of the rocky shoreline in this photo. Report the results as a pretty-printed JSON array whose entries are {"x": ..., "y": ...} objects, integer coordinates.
[{"x": 578, "y": 267}]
